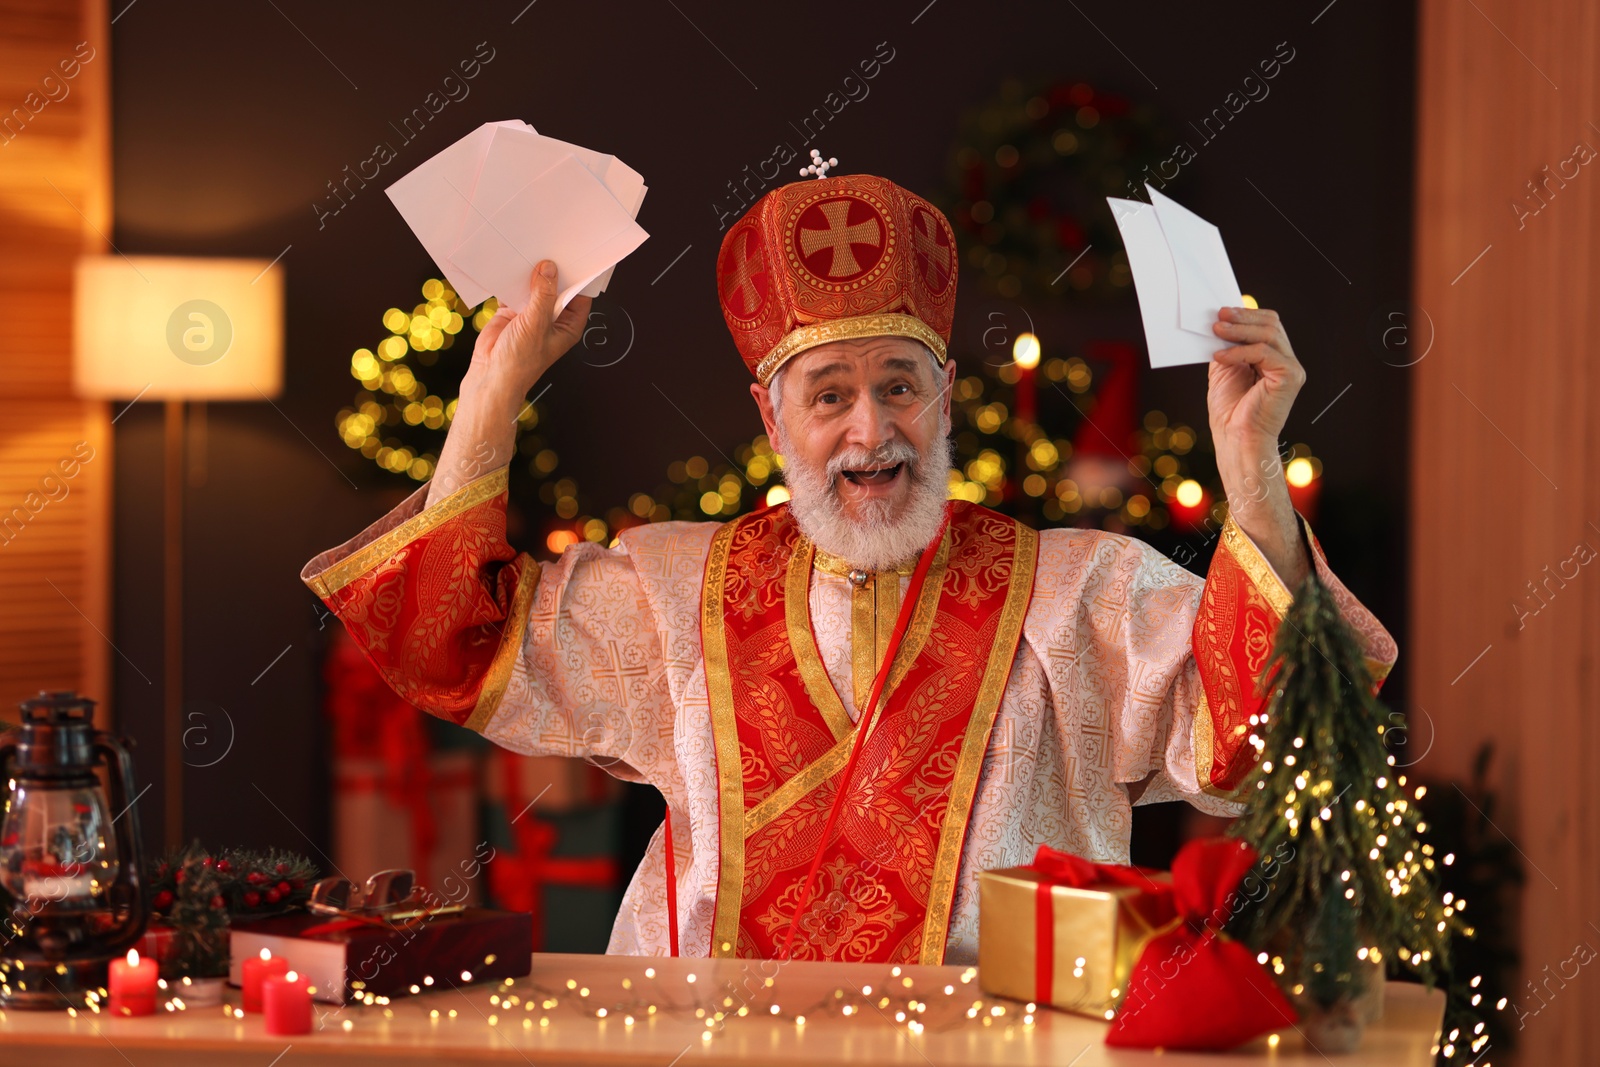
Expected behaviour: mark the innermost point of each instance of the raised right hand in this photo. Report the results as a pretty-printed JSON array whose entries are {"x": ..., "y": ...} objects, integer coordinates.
[{"x": 515, "y": 349}]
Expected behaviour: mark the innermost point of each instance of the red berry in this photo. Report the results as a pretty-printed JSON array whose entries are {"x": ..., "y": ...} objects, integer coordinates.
[
  {"x": 208, "y": 862},
  {"x": 251, "y": 898},
  {"x": 178, "y": 876},
  {"x": 163, "y": 900},
  {"x": 283, "y": 889},
  {"x": 217, "y": 901},
  {"x": 224, "y": 866},
  {"x": 272, "y": 896},
  {"x": 283, "y": 868}
]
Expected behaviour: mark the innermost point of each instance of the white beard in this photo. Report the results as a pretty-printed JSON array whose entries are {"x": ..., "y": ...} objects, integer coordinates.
[{"x": 886, "y": 535}]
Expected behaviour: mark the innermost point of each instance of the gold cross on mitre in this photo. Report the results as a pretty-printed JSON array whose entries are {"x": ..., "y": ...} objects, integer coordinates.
[{"x": 819, "y": 166}]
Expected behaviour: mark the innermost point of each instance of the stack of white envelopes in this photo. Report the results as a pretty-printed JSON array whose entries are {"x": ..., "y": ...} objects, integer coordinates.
[
  {"x": 1182, "y": 275},
  {"x": 504, "y": 197}
]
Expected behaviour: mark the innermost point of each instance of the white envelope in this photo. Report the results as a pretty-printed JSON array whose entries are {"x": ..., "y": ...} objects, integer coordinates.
[
  {"x": 435, "y": 200},
  {"x": 490, "y": 174},
  {"x": 1206, "y": 283},
  {"x": 516, "y": 156},
  {"x": 1182, "y": 275},
  {"x": 564, "y": 214}
]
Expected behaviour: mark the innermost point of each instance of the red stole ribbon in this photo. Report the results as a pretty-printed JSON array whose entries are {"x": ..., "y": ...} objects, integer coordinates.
[
  {"x": 1063, "y": 868},
  {"x": 1194, "y": 987}
]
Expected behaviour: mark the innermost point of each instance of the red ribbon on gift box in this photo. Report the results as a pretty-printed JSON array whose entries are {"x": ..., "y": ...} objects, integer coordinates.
[{"x": 1063, "y": 868}]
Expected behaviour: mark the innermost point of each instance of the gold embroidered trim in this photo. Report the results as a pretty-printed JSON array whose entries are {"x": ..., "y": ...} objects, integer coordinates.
[
  {"x": 796, "y": 788},
  {"x": 922, "y": 617},
  {"x": 874, "y": 609},
  {"x": 505, "y": 657},
  {"x": 958, "y": 810},
  {"x": 821, "y": 690},
  {"x": 725, "y": 733},
  {"x": 831, "y": 564},
  {"x": 887, "y": 324},
  {"x": 1256, "y": 567},
  {"x": 797, "y": 614},
  {"x": 1203, "y": 736},
  {"x": 1378, "y": 669},
  {"x": 335, "y": 577}
]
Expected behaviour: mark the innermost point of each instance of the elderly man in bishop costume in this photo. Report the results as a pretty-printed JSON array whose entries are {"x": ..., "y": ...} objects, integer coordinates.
[{"x": 856, "y": 701}]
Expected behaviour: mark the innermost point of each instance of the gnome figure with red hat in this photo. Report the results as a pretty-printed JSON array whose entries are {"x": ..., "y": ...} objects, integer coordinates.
[{"x": 855, "y": 700}]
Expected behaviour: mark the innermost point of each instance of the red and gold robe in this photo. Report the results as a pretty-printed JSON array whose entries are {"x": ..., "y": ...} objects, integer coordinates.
[{"x": 1048, "y": 681}]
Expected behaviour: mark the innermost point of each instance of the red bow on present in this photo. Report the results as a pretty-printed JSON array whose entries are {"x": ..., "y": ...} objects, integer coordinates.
[
  {"x": 1063, "y": 868},
  {"x": 1194, "y": 987}
]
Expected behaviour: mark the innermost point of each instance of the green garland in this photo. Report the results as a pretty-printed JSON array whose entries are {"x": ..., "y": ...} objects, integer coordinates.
[{"x": 406, "y": 403}]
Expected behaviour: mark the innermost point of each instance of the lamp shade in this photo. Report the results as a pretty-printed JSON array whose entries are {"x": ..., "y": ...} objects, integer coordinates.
[{"x": 177, "y": 328}]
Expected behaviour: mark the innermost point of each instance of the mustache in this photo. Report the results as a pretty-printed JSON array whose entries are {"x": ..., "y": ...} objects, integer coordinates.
[{"x": 885, "y": 455}]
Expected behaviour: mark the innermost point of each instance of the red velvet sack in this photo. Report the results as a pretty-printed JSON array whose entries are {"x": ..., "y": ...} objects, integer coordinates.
[{"x": 1194, "y": 987}]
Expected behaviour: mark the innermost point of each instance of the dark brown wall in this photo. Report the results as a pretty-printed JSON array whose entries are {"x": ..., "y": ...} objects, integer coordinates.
[{"x": 229, "y": 122}]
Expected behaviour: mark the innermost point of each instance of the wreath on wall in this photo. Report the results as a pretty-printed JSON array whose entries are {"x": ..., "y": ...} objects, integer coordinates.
[{"x": 1029, "y": 173}]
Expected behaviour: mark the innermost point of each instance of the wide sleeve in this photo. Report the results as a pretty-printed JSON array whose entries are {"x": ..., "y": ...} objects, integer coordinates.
[
  {"x": 1153, "y": 671},
  {"x": 1241, "y": 607},
  {"x": 546, "y": 659}
]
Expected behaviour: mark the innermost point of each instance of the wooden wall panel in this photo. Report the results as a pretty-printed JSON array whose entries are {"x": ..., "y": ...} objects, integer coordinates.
[
  {"x": 1505, "y": 529},
  {"x": 55, "y": 202}
]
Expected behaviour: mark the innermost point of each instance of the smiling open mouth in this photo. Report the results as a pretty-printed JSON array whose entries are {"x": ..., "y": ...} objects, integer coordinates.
[{"x": 874, "y": 475}]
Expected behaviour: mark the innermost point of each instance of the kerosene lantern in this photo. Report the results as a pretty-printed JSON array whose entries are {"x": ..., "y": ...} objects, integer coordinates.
[{"x": 69, "y": 871}]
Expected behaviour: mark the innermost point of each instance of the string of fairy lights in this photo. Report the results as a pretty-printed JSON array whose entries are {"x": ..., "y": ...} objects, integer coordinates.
[{"x": 406, "y": 402}]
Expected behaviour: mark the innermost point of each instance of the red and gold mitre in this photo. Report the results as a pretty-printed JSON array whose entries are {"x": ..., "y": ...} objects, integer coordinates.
[{"x": 830, "y": 259}]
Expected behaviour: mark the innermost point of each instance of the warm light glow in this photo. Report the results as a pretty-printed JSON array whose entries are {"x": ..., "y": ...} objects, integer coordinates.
[
  {"x": 133, "y": 957},
  {"x": 266, "y": 953},
  {"x": 1026, "y": 351},
  {"x": 558, "y": 540},
  {"x": 1300, "y": 472},
  {"x": 1189, "y": 493},
  {"x": 177, "y": 327},
  {"x": 777, "y": 495},
  {"x": 293, "y": 976},
  {"x": 1248, "y": 301}
]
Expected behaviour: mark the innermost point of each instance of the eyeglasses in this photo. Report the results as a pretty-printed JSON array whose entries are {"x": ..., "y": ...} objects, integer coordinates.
[{"x": 384, "y": 891}]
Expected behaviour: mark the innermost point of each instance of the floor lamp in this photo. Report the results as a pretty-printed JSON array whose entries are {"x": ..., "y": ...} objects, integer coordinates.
[{"x": 176, "y": 329}]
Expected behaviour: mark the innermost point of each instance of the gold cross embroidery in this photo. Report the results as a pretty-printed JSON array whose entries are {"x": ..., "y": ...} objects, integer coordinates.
[
  {"x": 926, "y": 243},
  {"x": 839, "y": 238},
  {"x": 746, "y": 268}
]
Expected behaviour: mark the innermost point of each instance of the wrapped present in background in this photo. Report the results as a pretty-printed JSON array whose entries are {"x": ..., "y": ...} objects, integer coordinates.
[
  {"x": 1067, "y": 932},
  {"x": 406, "y": 787},
  {"x": 555, "y": 860},
  {"x": 549, "y": 783}
]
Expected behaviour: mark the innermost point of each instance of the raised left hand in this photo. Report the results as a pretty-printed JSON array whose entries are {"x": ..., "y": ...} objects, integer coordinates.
[
  {"x": 1253, "y": 383},
  {"x": 1252, "y": 386}
]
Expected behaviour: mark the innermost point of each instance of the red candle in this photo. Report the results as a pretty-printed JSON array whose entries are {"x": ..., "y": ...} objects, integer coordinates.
[
  {"x": 133, "y": 985},
  {"x": 1025, "y": 354},
  {"x": 286, "y": 1003},
  {"x": 255, "y": 971}
]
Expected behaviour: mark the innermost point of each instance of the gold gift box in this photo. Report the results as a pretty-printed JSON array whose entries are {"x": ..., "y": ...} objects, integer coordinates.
[{"x": 1097, "y": 934}]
